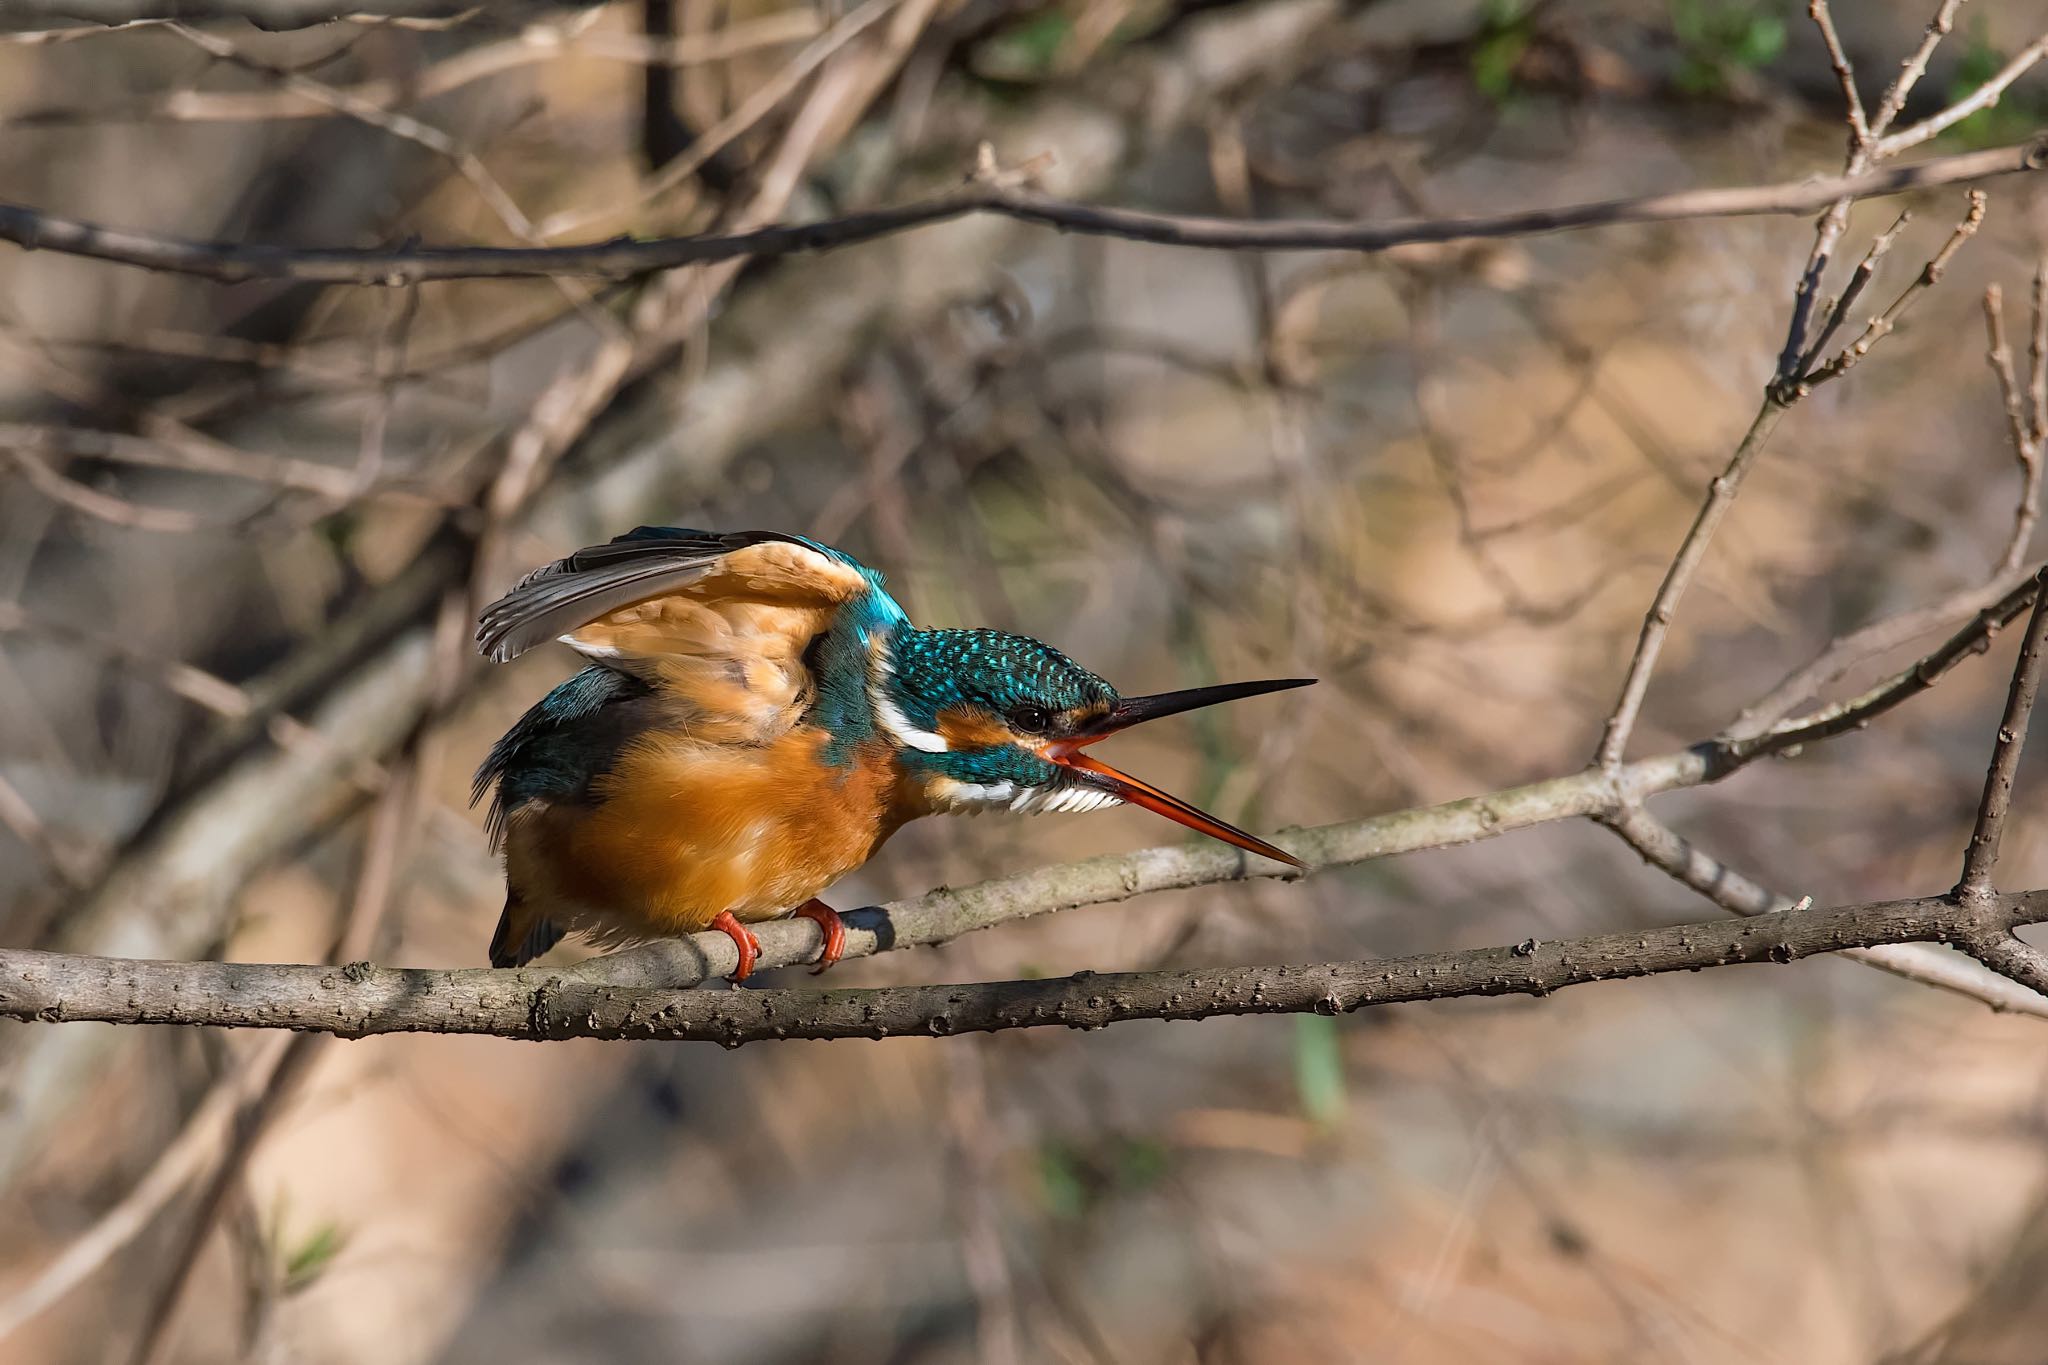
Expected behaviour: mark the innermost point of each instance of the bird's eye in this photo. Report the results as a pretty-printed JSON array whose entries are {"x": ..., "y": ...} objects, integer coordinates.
[{"x": 1031, "y": 719}]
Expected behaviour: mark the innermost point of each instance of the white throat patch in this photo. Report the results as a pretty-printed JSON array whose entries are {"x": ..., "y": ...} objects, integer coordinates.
[{"x": 971, "y": 798}]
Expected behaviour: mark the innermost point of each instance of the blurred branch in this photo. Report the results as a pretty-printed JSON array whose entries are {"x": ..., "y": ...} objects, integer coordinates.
[
  {"x": 29, "y": 15},
  {"x": 231, "y": 262},
  {"x": 531, "y": 46},
  {"x": 393, "y": 823},
  {"x": 361, "y": 1000},
  {"x": 174, "y": 1168}
]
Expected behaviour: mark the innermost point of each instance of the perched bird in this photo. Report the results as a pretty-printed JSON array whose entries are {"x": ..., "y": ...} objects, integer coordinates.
[{"x": 758, "y": 716}]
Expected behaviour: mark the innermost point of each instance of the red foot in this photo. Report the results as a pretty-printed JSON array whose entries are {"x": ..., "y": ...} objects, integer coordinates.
[
  {"x": 742, "y": 939},
  {"x": 834, "y": 928}
]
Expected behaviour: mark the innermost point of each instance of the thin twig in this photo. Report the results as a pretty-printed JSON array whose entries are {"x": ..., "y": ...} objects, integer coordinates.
[
  {"x": 2037, "y": 354},
  {"x": 1913, "y": 68},
  {"x": 232, "y": 262},
  {"x": 1859, "y": 279},
  {"x": 1687, "y": 863},
  {"x": 1882, "y": 325},
  {"x": 1852, "y": 713},
  {"x": 1845, "y": 72},
  {"x": 1981, "y": 859},
  {"x": 2022, "y": 426},
  {"x": 1847, "y": 651},
  {"x": 199, "y": 457},
  {"x": 18, "y": 816},
  {"x": 1642, "y": 664},
  {"x": 1983, "y": 97},
  {"x": 762, "y": 101}
]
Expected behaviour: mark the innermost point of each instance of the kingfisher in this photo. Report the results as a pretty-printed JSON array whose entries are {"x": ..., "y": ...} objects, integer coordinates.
[{"x": 756, "y": 717}]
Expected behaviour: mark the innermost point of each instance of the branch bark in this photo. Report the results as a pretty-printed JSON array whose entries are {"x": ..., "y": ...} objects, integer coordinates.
[
  {"x": 535, "y": 1004},
  {"x": 233, "y": 262}
]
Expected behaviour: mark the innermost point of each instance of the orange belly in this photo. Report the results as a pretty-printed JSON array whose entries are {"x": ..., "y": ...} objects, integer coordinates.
[{"x": 684, "y": 830}]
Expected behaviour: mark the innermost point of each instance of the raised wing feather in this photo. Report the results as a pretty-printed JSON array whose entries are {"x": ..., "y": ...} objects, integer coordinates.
[{"x": 719, "y": 622}]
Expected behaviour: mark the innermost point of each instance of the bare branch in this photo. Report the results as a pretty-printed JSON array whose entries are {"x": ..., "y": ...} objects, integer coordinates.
[
  {"x": 1845, "y": 73},
  {"x": 1983, "y": 97},
  {"x": 1669, "y": 851},
  {"x": 2022, "y": 425},
  {"x": 1854, "y": 712},
  {"x": 171, "y": 1172},
  {"x": 196, "y": 456},
  {"x": 232, "y": 262},
  {"x": 1657, "y": 620},
  {"x": 362, "y": 1000},
  {"x": 18, "y": 816},
  {"x": 1981, "y": 860},
  {"x": 2037, "y": 355},
  {"x": 1881, "y": 325},
  {"x": 1859, "y": 279},
  {"x": 1913, "y": 68},
  {"x": 2012, "y": 957},
  {"x": 2029, "y": 434}
]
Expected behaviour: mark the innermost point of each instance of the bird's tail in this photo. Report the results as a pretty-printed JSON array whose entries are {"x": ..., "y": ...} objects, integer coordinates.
[{"x": 521, "y": 938}]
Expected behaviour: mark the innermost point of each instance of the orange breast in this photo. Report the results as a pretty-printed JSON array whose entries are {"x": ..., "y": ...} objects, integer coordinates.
[{"x": 686, "y": 829}]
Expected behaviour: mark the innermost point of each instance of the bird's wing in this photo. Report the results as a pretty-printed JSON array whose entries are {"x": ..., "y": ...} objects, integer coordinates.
[{"x": 719, "y": 622}]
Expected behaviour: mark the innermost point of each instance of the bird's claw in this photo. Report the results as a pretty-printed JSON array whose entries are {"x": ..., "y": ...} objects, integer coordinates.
[
  {"x": 743, "y": 939},
  {"x": 831, "y": 926}
]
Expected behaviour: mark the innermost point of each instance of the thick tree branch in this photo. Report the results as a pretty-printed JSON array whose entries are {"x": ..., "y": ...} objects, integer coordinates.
[
  {"x": 362, "y": 1000},
  {"x": 231, "y": 262}
]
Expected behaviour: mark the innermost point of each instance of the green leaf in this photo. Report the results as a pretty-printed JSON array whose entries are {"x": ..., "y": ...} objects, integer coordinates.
[
  {"x": 1026, "y": 50},
  {"x": 1142, "y": 1163},
  {"x": 1493, "y": 63},
  {"x": 1760, "y": 41},
  {"x": 1319, "y": 1069},
  {"x": 306, "y": 1262},
  {"x": 1061, "y": 1185}
]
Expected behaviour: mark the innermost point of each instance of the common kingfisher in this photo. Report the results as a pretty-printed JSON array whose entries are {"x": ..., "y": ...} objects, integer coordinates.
[{"x": 757, "y": 717}]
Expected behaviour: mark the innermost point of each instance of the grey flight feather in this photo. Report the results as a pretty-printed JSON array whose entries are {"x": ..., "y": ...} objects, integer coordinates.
[{"x": 645, "y": 562}]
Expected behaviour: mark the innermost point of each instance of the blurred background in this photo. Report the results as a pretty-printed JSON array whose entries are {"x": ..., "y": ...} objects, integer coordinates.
[{"x": 243, "y": 528}]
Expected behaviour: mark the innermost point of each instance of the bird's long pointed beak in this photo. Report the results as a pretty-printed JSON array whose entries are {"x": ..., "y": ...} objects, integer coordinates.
[{"x": 1136, "y": 710}]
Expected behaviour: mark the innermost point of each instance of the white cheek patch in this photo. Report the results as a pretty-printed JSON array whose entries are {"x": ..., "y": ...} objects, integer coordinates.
[{"x": 881, "y": 668}]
